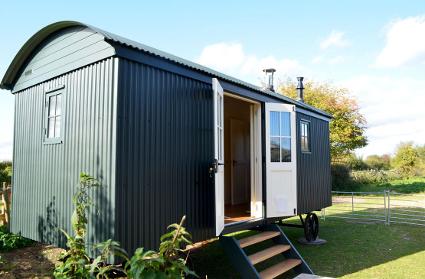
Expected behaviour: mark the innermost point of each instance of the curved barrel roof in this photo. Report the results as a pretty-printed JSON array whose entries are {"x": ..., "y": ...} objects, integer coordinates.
[{"x": 28, "y": 49}]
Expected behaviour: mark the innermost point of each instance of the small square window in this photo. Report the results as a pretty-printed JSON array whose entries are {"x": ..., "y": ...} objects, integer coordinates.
[
  {"x": 305, "y": 136},
  {"x": 53, "y": 117}
]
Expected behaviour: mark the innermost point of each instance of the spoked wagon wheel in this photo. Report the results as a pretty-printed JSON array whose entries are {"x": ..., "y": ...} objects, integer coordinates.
[{"x": 311, "y": 227}]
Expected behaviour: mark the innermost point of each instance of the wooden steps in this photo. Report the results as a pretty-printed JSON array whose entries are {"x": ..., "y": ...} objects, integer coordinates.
[
  {"x": 273, "y": 248},
  {"x": 279, "y": 268},
  {"x": 251, "y": 240},
  {"x": 268, "y": 253}
]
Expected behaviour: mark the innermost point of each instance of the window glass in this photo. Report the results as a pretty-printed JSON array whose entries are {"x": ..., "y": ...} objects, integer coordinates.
[
  {"x": 286, "y": 149},
  {"x": 285, "y": 124},
  {"x": 275, "y": 149},
  {"x": 274, "y": 123},
  {"x": 305, "y": 136},
  {"x": 54, "y": 111},
  {"x": 280, "y": 136}
]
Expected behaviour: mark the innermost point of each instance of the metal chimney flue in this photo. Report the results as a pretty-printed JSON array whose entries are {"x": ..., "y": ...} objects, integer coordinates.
[
  {"x": 300, "y": 89},
  {"x": 270, "y": 73}
]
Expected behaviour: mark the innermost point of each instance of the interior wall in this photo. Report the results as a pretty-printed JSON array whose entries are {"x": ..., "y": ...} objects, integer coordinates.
[{"x": 233, "y": 109}]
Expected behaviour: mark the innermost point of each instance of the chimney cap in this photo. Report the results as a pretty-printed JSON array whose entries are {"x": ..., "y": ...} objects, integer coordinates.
[
  {"x": 300, "y": 83},
  {"x": 269, "y": 70}
]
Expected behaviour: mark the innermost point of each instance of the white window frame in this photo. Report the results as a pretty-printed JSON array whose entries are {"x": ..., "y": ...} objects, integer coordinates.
[{"x": 46, "y": 116}]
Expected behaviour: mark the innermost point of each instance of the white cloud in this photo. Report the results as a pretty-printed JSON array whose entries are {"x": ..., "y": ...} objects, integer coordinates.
[
  {"x": 393, "y": 108},
  {"x": 335, "y": 39},
  {"x": 405, "y": 43},
  {"x": 321, "y": 59},
  {"x": 231, "y": 59}
]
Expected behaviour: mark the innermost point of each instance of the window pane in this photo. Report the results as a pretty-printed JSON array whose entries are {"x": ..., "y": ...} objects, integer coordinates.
[
  {"x": 51, "y": 127},
  {"x": 286, "y": 149},
  {"x": 285, "y": 124},
  {"x": 274, "y": 123},
  {"x": 52, "y": 105},
  {"x": 274, "y": 149},
  {"x": 57, "y": 127},
  {"x": 58, "y": 104}
]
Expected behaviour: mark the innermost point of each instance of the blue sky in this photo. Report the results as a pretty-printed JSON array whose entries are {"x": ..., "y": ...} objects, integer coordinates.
[{"x": 374, "y": 48}]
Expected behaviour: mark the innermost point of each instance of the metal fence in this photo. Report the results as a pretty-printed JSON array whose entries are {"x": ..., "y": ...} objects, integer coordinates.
[{"x": 378, "y": 207}]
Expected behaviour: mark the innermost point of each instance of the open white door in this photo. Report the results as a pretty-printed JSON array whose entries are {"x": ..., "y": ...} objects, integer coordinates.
[
  {"x": 281, "y": 190},
  {"x": 218, "y": 155}
]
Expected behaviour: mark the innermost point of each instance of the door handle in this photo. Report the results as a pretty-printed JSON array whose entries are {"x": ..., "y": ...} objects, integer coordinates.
[{"x": 214, "y": 167}]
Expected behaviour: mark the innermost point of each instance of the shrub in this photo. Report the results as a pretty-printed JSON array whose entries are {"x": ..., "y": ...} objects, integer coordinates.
[
  {"x": 168, "y": 262},
  {"x": 375, "y": 176},
  {"x": 10, "y": 241},
  {"x": 377, "y": 162},
  {"x": 341, "y": 178},
  {"x": 75, "y": 261}
]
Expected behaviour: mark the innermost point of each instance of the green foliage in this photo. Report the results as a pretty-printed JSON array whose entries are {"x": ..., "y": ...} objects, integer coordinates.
[
  {"x": 107, "y": 249},
  {"x": 10, "y": 241},
  {"x": 6, "y": 172},
  {"x": 374, "y": 176},
  {"x": 348, "y": 124},
  {"x": 356, "y": 163},
  {"x": 406, "y": 159},
  {"x": 377, "y": 162},
  {"x": 75, "y": 261},
  {"x": 168, "y": 262},
  {"x": 341, "y": 177}
]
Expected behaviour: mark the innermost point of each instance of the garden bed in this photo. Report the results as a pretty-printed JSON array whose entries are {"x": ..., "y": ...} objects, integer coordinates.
[{"x": 35, "y": 261}]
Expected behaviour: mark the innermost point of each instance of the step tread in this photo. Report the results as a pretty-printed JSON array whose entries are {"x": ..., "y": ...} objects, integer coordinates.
[
  {"x": 268, "y": 253},
  {"x": 279, "y": 268},
  {"x": 250, "y": 240}
]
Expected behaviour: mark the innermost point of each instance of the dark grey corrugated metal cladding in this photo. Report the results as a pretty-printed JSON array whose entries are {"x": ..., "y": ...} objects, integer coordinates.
[
  {"x": 164, "y": 149},
  {"x": 314, "y": 169},
  {"x": 141, "y": 121},
  {"x": 45, "y": 175}
]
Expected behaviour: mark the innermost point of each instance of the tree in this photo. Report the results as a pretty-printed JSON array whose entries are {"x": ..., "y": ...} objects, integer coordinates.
[
  {"x": 5, "y": 172},
  {"x": 348, "y": 124},
  {"x": 378, "y": 162},
  {"x": 355, "y": 162},
  {"x": 406, "y": 158}
]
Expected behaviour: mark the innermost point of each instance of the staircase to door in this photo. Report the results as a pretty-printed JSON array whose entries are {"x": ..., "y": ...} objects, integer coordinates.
[{"x": 266, "y": 254}]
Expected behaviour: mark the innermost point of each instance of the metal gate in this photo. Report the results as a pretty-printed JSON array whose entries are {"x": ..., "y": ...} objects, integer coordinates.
[{"x": 377, "y": 207}]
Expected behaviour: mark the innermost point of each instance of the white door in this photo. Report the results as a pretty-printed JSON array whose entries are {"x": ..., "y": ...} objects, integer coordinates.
[
  {"x": 281, "y": 189},
  {"x": 218, "y": 155}
]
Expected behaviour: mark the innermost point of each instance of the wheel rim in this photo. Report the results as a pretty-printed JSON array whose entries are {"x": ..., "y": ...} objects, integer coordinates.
[{"x": 311, "y": 227}]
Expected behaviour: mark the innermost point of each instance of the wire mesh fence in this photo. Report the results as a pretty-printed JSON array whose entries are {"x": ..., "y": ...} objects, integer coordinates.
[{"x": 379, "y": 207}]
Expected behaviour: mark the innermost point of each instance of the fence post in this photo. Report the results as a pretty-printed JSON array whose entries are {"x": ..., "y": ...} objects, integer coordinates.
[
  {"x": 6, "y": 203},
  {"x": 352, "y": 202},
  {"x": 389, "y": 207}
]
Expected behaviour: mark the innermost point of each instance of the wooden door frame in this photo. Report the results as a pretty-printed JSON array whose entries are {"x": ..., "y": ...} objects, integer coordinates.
[{"x": 256, "y": 169}]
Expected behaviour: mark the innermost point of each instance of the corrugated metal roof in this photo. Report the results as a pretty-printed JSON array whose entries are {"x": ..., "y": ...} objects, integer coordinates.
[{"x": 25, "y": 52}]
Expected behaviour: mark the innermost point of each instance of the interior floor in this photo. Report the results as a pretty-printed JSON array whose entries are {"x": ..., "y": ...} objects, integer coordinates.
[
  {"x": 237, "y": 157},
  {"x": 237, "y": 213}
]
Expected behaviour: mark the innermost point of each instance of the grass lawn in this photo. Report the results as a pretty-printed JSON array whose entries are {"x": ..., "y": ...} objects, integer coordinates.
[{"x": 354, "y": 250}]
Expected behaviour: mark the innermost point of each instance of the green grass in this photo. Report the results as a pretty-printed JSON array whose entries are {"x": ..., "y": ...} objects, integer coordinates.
[
  {"x": 407, "y": 186},
  {"x": 353, "y": 251}
]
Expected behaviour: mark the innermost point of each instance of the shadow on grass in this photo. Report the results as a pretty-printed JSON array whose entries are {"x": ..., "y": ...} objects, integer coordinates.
[{"x": 351, "y": 247}]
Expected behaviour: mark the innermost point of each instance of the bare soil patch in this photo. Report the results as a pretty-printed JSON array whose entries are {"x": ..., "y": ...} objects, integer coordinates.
[{"x": 36, "y": 261}]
